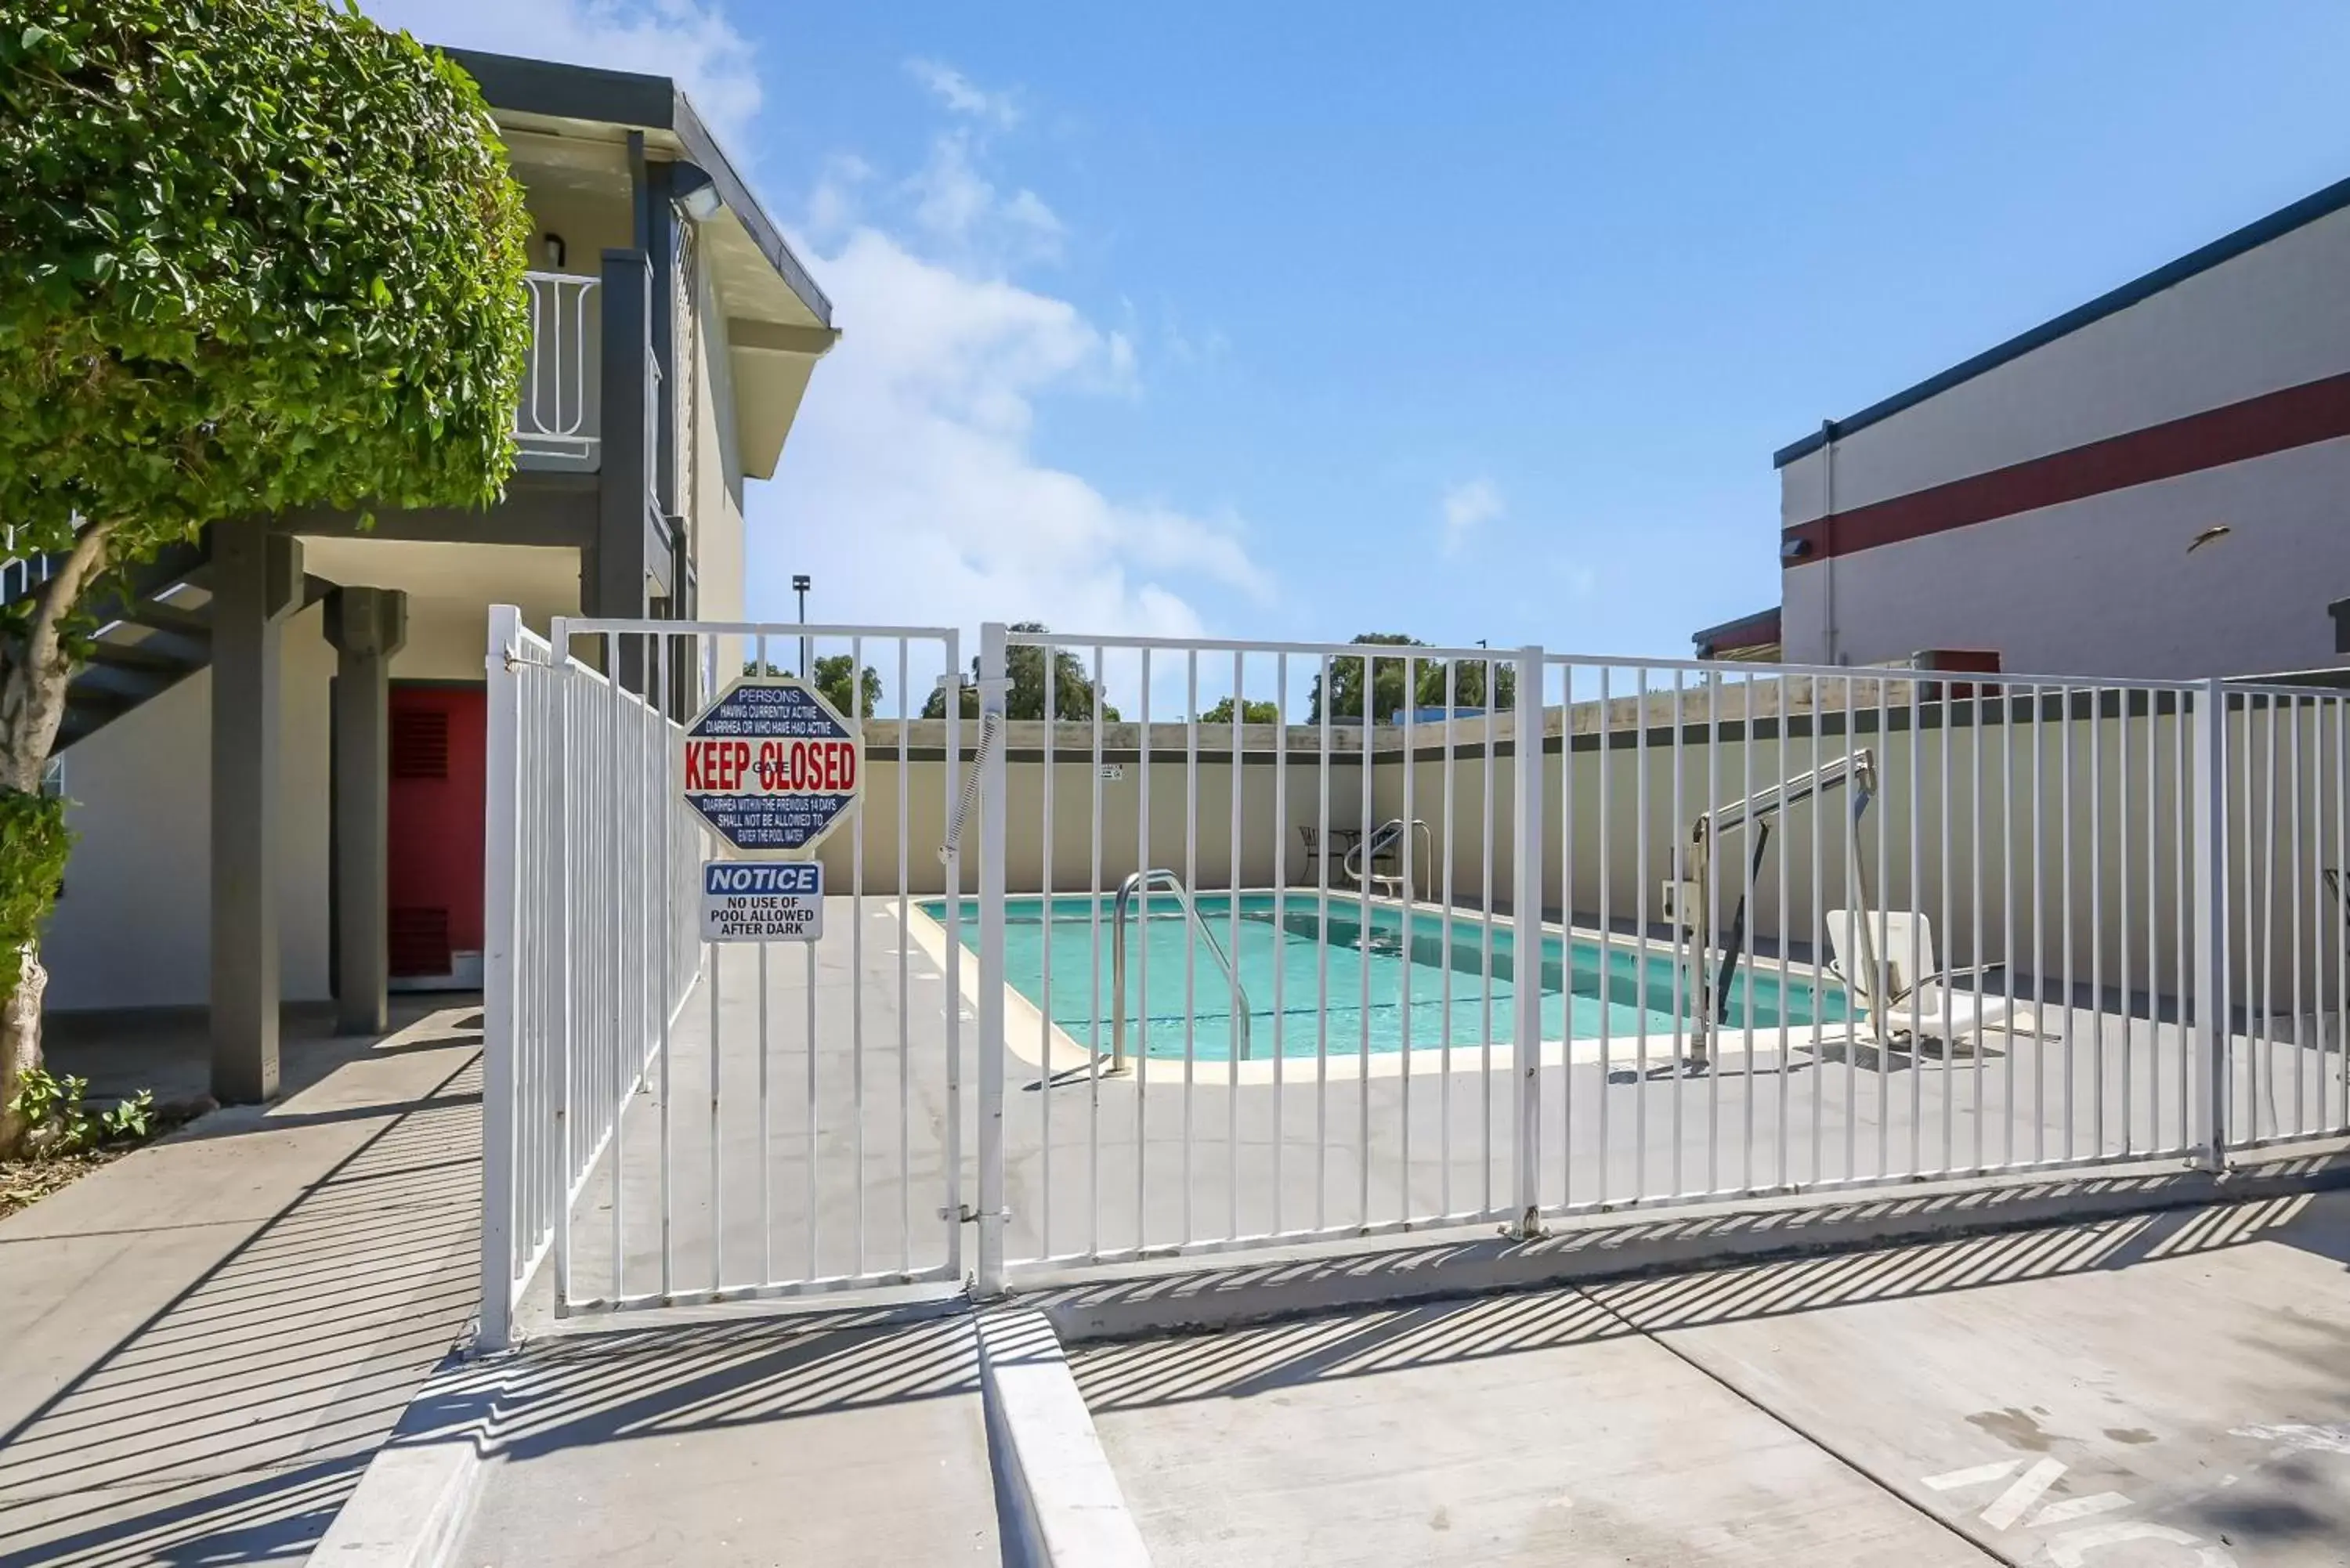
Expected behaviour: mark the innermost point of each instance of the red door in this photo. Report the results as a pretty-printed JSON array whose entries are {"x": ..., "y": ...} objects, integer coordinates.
[{"x": 439, "y": 739}]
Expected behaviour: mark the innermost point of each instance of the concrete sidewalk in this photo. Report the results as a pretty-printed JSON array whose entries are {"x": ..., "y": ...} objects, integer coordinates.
[
  {"x": 841, "y": 1439},
  {"x": 2163, "y": 1389},
  {"x": 201, "y": 1343}
]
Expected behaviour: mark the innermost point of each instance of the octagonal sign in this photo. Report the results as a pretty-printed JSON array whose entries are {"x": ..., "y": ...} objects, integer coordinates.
[{"x": 771, "y": 766}]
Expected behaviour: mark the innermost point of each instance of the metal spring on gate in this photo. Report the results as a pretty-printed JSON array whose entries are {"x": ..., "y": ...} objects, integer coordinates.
[{"x": 990, "y": 726}]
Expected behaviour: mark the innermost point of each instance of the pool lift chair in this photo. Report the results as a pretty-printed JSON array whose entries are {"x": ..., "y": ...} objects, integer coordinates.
[
  {"x": 1691, "y": 910},
  {"x": 1378, "y": 842}
]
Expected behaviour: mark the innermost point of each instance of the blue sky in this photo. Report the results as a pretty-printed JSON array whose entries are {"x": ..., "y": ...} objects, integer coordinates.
[{"x": 1472, "y": 322}]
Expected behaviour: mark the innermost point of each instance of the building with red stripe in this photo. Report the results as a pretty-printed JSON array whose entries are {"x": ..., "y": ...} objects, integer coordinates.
[{"x": 2156, "y": 484}]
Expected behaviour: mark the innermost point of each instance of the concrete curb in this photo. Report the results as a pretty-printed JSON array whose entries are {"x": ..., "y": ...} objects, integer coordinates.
[
  {"x": 1184, "y": 1297},
  {"x": 410, "y": 1506},
  {"x": 1058, "y": 1499}
]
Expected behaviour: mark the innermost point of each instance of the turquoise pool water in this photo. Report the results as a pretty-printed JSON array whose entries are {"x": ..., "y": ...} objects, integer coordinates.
[{"x": 1382, "y": 993}]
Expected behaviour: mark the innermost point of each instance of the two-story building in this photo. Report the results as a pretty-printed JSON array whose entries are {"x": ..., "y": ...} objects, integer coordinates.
[
  {"x": 2154, "y": 483},
  {"x": 276, "y": 754}
]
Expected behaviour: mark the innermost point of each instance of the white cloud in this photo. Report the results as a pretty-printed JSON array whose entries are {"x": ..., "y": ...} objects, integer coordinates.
[
  {"x": 1464, "y": 507},
  {"x": 958, "y": 207},
  {"x": 910, "y": 490},
  {"x": 692, "y": 42},
  {"x": 963, "y": 95}
]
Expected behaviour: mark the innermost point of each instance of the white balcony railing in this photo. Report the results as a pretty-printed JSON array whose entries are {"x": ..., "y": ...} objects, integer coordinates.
[{"x": 556, "y": 420}]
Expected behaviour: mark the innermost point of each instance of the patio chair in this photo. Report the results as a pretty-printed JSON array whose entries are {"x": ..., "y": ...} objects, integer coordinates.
[{"x": 1930, "y": 1005}]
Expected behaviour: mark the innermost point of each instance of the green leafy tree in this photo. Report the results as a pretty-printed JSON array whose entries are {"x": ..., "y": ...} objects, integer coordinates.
[
  {"x": 1386, "y": 675},
  {"x": 1251, "y": 713},
  {"x": 1350, "y": 677},
  {"x": 1468, "y": 685},
  {"x": 1026, "y": 666},
  {"x": 261, "y": 255},
  {"x": 833, "y": 678}
]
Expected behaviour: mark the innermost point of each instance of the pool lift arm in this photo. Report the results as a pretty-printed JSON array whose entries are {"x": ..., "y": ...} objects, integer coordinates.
[{"x": 1688, "y": 900}]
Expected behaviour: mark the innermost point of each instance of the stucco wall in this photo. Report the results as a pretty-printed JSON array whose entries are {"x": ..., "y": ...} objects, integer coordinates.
[
  {"x": 134, "y": 929},
  {"x": 2105, "y": 585}
]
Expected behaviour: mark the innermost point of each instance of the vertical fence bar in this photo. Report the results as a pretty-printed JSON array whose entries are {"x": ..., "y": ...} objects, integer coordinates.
[
  {"x": 1325, "y": 701},
  {"x": 1525, "y": 941},
  {"x": 501, "y": 906},
  {"x": 1238, "y": 1030},
  {"x": 2209, "y": 1134},
  {"x": 1191, "y": 918},
  {"x": 1093, "y": 969},
  {"x": 905, "y": 977},
  {"x": 1280, "y": 918},
  {"x": 1050, "y": 659},
  {"x": 991, "y": 692},
  {"x": 950, "y": 689},
  {"x": 556, "y": 953},
  {"x": 1566, "y": 919}
]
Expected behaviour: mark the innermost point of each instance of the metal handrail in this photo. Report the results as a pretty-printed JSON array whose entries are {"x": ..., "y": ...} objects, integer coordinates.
[
  {"x": 1159, "y": 875},
  {"x": 1359, "y": 859},
  {"x": 551, "y": 415}
]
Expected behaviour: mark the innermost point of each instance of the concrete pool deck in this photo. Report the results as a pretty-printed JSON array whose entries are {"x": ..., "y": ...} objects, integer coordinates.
[
  {"x": 1099, "y": 1166},
  {"x": 2143, "y": 1392},
  {"x": 1055, "y": 1051}
]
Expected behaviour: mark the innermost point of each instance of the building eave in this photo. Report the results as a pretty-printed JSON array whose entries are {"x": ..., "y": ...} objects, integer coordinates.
[
  {"x": 552, "y": 91},
  {"x": 2251, "y": 236}
]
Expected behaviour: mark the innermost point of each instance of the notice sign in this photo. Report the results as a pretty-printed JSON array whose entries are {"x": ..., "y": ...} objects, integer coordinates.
[
  {"x": 770, "y": 766},
  {"x": 752, "y": 901}
]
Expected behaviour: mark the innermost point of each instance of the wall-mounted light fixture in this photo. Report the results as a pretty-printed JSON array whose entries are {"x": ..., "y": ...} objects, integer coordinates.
[
  {"x": 696, "y": 193},
  {"x": 552, "y": 243},
  {"x": 1795, "y": 549}
]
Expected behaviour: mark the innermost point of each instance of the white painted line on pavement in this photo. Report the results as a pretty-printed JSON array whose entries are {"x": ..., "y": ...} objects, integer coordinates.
[
  {"x": 2078, "y": 1508},
  {"x": 2011, "y": 1504},
  {"x": 1975, "y": 1475}
]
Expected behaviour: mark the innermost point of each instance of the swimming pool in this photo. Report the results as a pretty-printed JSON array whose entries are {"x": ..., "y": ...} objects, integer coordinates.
[{"x": 1381, "y": 995}]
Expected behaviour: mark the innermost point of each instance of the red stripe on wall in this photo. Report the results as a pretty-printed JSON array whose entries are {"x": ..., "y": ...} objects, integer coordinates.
[{"x": 2272, "y": 422}]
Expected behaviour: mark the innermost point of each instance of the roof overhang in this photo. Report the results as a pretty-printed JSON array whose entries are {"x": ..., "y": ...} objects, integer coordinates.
[
  {"x": 1757, "y": 631},
  {"x": 2251, "y": 236},
  {"x": 778, "y": 322}
]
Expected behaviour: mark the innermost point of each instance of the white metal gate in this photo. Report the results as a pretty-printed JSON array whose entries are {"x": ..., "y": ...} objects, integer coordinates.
[
  {"x": 670, "y": 1121},
  {"x": 1252, "y": 959}
]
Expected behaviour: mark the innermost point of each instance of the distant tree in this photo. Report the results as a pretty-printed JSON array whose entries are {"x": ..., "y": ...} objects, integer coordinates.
[
  {"x": 833, "y": 678},
  {"x": 1384, "y": 676},
  {"x": 1251, "y": 713},
  {"x": 1468, "y": 677},
  {"x": 1072, "y": 689}
]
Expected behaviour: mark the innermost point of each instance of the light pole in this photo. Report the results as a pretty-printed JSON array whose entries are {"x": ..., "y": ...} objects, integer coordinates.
[{"x": 801, "y": 583}]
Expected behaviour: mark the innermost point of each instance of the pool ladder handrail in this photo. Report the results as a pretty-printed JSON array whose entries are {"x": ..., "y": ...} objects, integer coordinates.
[
  {"x": 1376, "y": 842},
  {"x": 1142, "y": 881}
]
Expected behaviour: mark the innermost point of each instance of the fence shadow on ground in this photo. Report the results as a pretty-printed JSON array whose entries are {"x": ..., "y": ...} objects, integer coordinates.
[
  {"x": 1365, "y": 1339},
  {"x": 616, "y": 1385},
  {"x": 230, "y": 1426}
]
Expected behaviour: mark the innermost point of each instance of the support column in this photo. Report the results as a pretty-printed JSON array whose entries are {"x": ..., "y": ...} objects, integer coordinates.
[
  {"x": 257, "y": 582},
  {"x": 367, "y": 626},
  {"x": 621, "y": 560}
]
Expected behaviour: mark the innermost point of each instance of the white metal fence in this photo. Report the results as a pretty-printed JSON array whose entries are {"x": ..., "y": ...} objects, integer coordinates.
[
  {"x": 1546, "y": 935},
  {"x": 670, "y": 1121}
]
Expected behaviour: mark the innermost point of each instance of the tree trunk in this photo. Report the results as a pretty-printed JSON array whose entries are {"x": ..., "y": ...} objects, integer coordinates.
[
  {"x": 20, "y": 1042},
  {"x": 32, "y": 706}
]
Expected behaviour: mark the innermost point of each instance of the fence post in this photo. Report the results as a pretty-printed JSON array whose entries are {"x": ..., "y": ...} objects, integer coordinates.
[
  {"x": 1526, "y": 939},
  {"x": 993, "y": 688},
  {"x": 499, "y": 912},
  {"x": 2209, "y": 1133}
]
